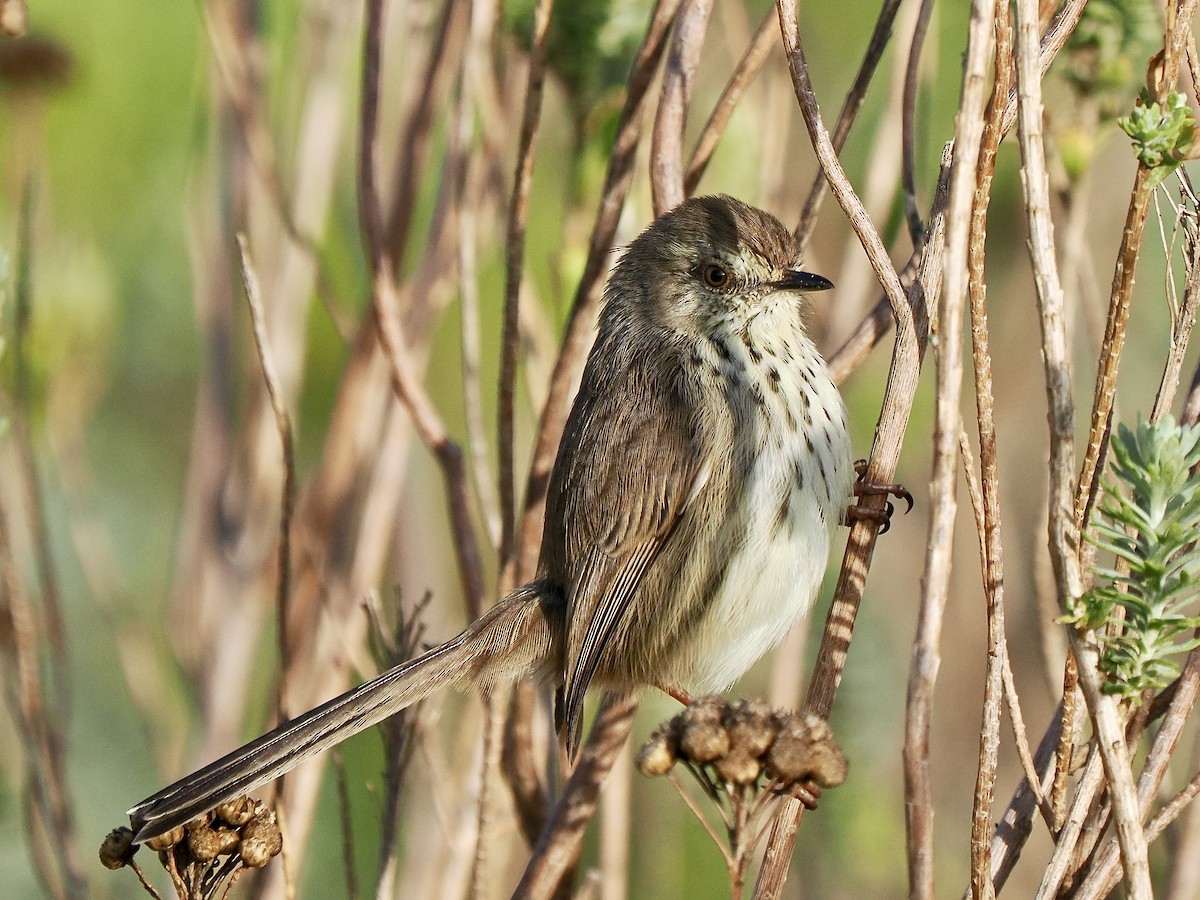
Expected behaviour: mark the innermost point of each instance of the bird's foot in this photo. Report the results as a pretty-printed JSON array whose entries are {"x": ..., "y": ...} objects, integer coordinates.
[
  {"x": 808, "y": 793},
  {"x": 881, "y": 517}
]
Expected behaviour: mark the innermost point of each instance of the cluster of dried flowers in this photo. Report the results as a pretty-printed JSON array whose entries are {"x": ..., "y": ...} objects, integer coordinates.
[
  {"x": 746, "y": 759},
  {"x": 740, "y": 741},
  {"x": 205, "y": 856}
]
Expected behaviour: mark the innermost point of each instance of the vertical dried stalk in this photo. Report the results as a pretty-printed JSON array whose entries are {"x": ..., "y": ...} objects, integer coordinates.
[
  {"x": 876, "y": 45},
  {"x": 558, "y": 848},
  {"x": 514, "y": 255},
  {"x": 666, "y": 155},
  {"x": 888, "y": 436},
  {"x": 1064, "y": 524},
  {"x": 283, "y": 423},
  {"x": 428, "y": 423},
  {"x": 939, "y": 545},
  {"x": 743, "y": 76},
  {"x": 989, "y": 515}
]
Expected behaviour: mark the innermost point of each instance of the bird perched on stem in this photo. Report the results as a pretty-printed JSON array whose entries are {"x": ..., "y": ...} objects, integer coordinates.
[{"x": 703, "y": 469}]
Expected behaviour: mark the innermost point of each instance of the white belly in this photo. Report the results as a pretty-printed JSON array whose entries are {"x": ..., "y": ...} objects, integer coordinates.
[{"x": 774, "y": 579}]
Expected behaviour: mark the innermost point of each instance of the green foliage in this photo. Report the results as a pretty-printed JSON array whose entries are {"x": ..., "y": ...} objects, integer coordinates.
[
  {"x": 1104, "y": 53},
  {"x": 1162, "y": 134},
  {"x": 1149, "y": 521},
  {"x": 589, "y": 45}
]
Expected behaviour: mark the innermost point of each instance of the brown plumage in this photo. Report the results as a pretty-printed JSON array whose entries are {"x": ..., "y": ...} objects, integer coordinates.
[{"x": 703, "y": 467}]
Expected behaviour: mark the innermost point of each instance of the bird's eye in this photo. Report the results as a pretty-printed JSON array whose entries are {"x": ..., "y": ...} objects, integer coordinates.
[{"x": 714, "y": 275}]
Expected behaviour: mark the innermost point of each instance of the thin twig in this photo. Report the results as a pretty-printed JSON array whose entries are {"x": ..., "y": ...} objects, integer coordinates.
[
  {"x": 559, "y": 846},
  {"x": 908, "y": 142},
  {"x": 666, "y": 155},
  {"x": 385, "y": 304},
  {"x": 935, "y": 580},
  {"x": 514, "y": 256},
  {"x": 287, "y": 502},
  {"x": 876, "y": 45},
  {"x": 991, "y": 547},
  {"x": 739, "y": 82},
  {"x": 909, "y": 314}
]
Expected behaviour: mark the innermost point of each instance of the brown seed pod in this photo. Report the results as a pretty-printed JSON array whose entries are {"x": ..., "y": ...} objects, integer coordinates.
[
  {"x": 738, "y": 767},
  {"x": 804, "y": 749},
  {"x": 166, "y": 840},
  {"x": 118, "y": 848},
  {"x": 236, "y": 812},
  {"x": 702, "y": 737},
  {"x": 751, "y": 727},
  {"x": 659, "y": 753},
  {"x": 261, "y": 840},
  {"x": 205, "y": 843}
]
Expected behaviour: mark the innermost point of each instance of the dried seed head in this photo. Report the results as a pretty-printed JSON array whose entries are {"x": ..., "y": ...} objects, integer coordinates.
[
  {"x": 702, "y": 737},
  {"x": 261, "y": 840},
  {"x": 167, "y": 840},
  {"x": 205, "y": 843},
  {"x": 804, "y": 749},
  {"x": 236, "y": 812},
  {"x": 659, "y": 753},
  {"x": 118, "y": 848},
  {"x": 751, "y": 727},
  {"x": 738, "y": 767}
]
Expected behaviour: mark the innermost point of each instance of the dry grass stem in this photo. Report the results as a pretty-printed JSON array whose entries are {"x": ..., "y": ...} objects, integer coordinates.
[
  {"x": 283, "y": 424},
  {"x": 666, "y": 154},
  {"x": 514, "y": 257},
  {"x": 935, "y": 579}
]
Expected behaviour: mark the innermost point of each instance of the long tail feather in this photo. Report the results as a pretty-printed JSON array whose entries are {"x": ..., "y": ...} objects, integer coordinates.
[{"x": 512, "y": 639}]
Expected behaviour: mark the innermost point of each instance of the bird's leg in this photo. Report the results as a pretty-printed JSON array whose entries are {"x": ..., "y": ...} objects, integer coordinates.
[
  {"x": 862, "y": 488},
  {"x": 677, "y": 693}
]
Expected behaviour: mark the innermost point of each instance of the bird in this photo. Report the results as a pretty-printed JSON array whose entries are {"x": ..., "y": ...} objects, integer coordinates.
[{"x": 703, "y": 470}]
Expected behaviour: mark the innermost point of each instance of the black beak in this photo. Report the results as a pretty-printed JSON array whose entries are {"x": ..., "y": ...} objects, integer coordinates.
[{"x": 795, "y": 280}]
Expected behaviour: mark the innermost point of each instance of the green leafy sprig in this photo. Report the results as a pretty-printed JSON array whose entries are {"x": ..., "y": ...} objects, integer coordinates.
[
  {"x": 1162, "y": 134},
  {"x": 1150, "y": 521}
]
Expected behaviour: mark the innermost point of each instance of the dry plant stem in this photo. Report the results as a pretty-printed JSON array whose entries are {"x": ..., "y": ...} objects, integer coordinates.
[
  {"x": 876, "y": 45},
  {"x": 283, "y": 424},
  {"x": 347, "y": 825},
  {"x": 1122, "y": 284},
  {"x": 409, "y": 167},
  {"x": 514, "y": 258},
  {"x": 384, "y": 294},
  {"x": 889, "y": 434},
  {"x": 666, "y": 154},
  {"x": 233, "y": 48},
  {"x": 1153, "y": 772},
  {"x": 989, "y": 520},
  {"x": 876, "y": 323},
  {"x": 1154, "y": 828},
  {"x": 1181, "y": 332},
  {"x": 908, "y": 143},
  {"x": 22, "y": 432},
  {"x": 558, "y": 847},
  {"x": 743, "y": 76},
  {"x": 1068, "y": 837},
  {"x": 1063, "y": 524},
  {"x": 935, "y": 580},
  {"x": 1066, "y": 741},
  {"x": 1015, "y": 825},
  {"x": 36, "y": 715}
]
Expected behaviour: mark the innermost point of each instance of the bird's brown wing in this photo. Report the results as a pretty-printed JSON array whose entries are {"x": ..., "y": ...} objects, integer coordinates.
[{"x": 629, "y": 467}]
